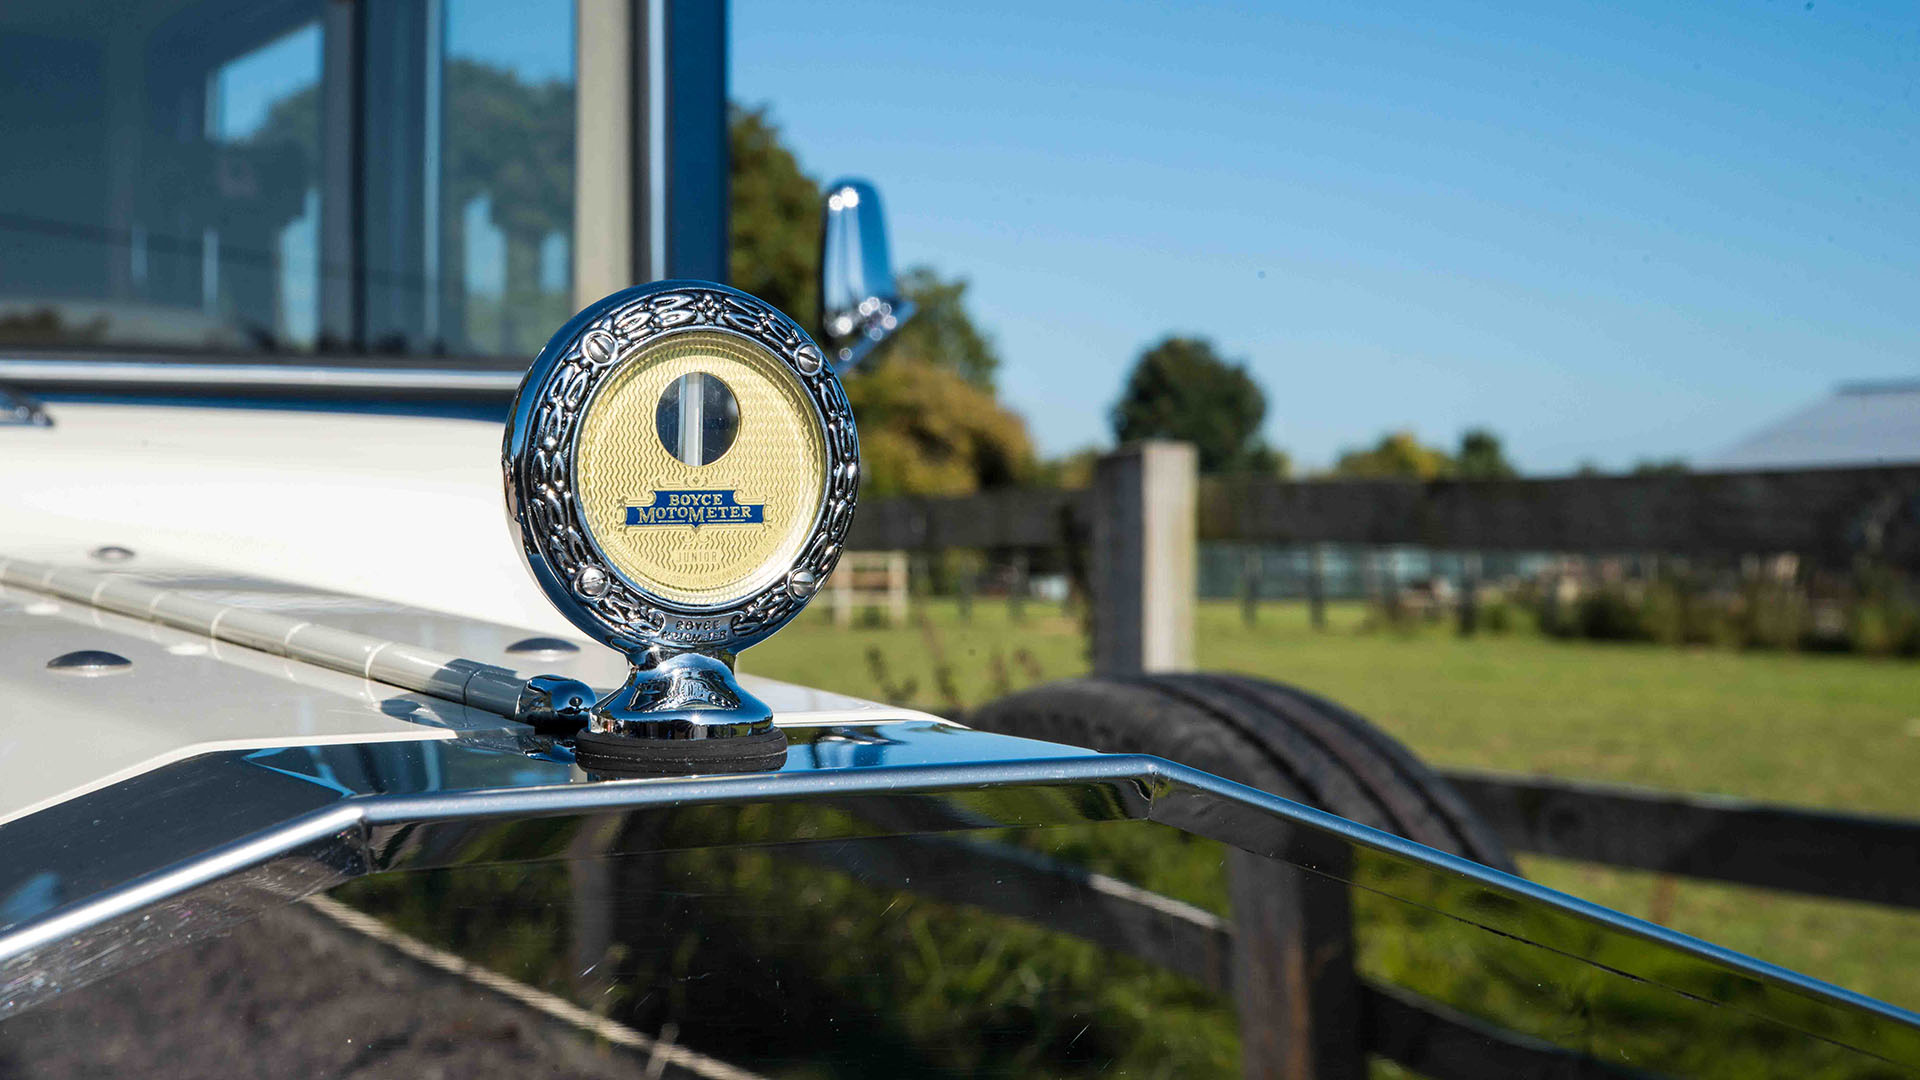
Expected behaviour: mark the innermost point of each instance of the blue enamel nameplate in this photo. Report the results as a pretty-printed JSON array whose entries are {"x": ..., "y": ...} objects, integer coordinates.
[{"x": 697, "y": 508}]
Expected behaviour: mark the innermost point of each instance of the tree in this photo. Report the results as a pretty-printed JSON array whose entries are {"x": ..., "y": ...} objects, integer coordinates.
[
  {"x": 775, "y": 255},
  {"x": 1658, "y": 467},
  {"x": 1397, "y": 454},
  {"x": 942, "y": 331},
  {"x": 1071, "y": 470},
  {"x": 774, "y": 235},
  {"x": 1402, "y": 454},
  {"x": 929, "y": 424},
  {"x": 1181, "y": 389},
  {"x": 924, "y": 430},
  {"x": 1482, "y": 457}
]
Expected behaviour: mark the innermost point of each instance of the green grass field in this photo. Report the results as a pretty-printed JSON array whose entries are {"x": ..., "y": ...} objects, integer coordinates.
[{"x": 1815, "y": 730}]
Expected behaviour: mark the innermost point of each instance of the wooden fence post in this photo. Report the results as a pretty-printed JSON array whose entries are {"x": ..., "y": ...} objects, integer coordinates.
[
  {"x": 1250, "y": 579},
  {"x": 1294, "y": 985},
  {"x": 1145, "y": 505},
  {"x": 840, "y": 586},
  {"x": 1317, "y": 586},
  {"x": 897, "y": 584},
  {"x": 1390, "y": 596},
  {"x": 591, "y": 905},
  {"x": 1469, "y": 593},
  {"x": 1017, "y": 590}
]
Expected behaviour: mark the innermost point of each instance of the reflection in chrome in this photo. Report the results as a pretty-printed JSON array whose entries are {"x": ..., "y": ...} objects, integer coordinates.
[
  {"x": 89, "y": 663},
  {"x": 662, "y": 1052},
  {"x": 543, "y": 648},
  {"x": 844, "y": 747},
  {"x": 17, "y": 409},
  {"x": 698, "y": 418},
  {"x": 556, "y": 704}
]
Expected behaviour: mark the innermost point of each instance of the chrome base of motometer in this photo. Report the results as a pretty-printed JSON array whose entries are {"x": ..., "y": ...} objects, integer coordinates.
[{"x": 680, "y": 713}]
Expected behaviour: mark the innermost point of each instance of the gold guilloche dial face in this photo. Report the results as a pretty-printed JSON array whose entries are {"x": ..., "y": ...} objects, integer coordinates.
[{"x": 700, "y": 468}]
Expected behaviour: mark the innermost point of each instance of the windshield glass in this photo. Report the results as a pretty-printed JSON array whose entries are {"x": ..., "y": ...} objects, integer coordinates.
[{"x": 290, "y": 178}]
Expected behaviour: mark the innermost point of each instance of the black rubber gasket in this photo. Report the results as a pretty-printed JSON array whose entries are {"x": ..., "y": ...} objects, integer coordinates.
[{"x": 623, "y": 756}]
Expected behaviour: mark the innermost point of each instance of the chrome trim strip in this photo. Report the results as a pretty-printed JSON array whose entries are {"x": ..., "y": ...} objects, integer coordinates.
[
  {"x": 313, "y": 828},
  {"x": 656, "y": 132},
  {"x": 158, "y": 374}
]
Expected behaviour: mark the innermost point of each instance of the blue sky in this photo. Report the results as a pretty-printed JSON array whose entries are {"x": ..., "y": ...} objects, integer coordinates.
[{"x": 1608, "y": 233}]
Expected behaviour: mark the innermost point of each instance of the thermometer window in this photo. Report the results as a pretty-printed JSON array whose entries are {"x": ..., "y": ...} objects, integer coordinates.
[{"x": 697, "y": 418}]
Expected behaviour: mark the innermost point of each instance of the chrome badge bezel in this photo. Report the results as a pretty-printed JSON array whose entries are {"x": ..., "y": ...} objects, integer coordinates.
[{"x": 539, "y": 461}]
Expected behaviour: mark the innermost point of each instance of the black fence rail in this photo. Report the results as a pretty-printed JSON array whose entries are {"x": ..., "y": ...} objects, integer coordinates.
[
  {"x": 1813, "y": 852},
  {"x": 1827, "y": 516}
]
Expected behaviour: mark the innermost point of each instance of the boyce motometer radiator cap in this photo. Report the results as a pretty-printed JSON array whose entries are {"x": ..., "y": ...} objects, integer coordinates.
[{"x": 681, "y": 468}]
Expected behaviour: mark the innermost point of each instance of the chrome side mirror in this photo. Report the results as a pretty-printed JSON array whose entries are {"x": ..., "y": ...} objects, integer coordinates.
[{"x": 860, "y": 303}]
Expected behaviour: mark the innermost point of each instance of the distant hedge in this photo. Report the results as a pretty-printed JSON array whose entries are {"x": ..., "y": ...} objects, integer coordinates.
[{"x": 1873, "y": 611}]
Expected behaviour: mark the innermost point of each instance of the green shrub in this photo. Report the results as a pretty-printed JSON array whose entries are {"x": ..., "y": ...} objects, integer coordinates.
[
  {"x": 1557, "y": 614},
  {"x": 1777, "y": 616},
  {"x": 1878, "y": 628},
  {"x": 1663, "y": 612},
  {"x": 1878, "y": 616},
  {"x": 1393, "y": 612},
  {"x": 1713, "y": 617},
  {"x": 1498, "y": 617},
  {"x": 1609, "y": 613}
]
